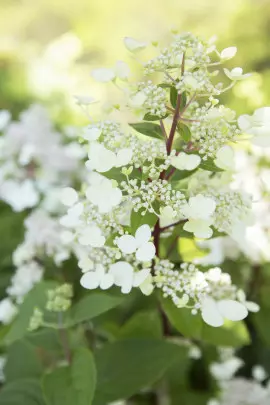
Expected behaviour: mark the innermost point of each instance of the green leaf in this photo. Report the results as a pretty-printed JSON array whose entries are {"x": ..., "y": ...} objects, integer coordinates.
[
  {"x": 74, "y": 384},
  {"x": 173, "y": 96},
  {"x": 11, "y": 233},
  {"x": 37, "y": 297},
  {"x": 151, "y": 117},
  {"x": 22, "y": 392},
  {"x": 116, "y": 174},
  {"x": 126, "y": 367},
  {"x": 233, "y": 334},
  {"x": 210, "y": 166},
  {"x": 137, "y": 219},
  {"x": 181, "y": 175},
  {"x": 183, "y": 100},
  {"x": 148, "y": 129},
  {"x": 184, "y": 132},
  {"x": 91, "y": 306},
  {"x": 142, "y": 325},
  {"x": 30, "y": 368}
]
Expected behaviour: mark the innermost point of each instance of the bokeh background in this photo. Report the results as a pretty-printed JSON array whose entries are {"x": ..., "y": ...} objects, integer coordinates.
[{"x": 48, "y": 47}]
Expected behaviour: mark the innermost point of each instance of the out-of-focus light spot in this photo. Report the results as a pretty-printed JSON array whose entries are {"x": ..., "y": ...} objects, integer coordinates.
[{"x": 250, "y": 90}]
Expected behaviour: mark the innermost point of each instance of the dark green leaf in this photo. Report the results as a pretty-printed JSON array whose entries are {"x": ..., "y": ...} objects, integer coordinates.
[
  {"x": 16, "y": 368},
  {"x": 151, "y": 117},
  {"x": 148, "y": 129},
  {"x": 183, "y": 100},
  {"x": 142, "y": 325},
  {"x": 210, "y": 166},
  {"x": 90, "y": 306},
  {"x": 184, "y": 132},
  {"x": 74, "y": 384},
  {"x": 126, "y": 367},
  {"x": 22, "y": 392},
  {"x": 137, "y": 219},
  {"x": 173, "y": 96}
]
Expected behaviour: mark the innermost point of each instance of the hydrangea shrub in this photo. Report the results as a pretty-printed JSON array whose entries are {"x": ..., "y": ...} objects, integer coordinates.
[{"x": 144, "y": 237}]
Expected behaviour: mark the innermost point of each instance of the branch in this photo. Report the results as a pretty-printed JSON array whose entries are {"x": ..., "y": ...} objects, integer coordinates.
[{"x": 181, "y": 221}]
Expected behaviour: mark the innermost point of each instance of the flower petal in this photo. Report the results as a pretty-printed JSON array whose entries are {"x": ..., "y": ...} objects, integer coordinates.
[
  {"x": 143, "y": 234},
  {"x": 210, "y": 313},
  {"x": 146, "y": 252},
  {"x": 127, "y": 244},
  {"x": 90, "y": 280},
  {"x": 232, "y": 310}
]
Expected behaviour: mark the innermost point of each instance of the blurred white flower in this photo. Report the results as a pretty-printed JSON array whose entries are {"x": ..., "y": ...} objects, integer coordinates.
[
  {"x": 103, "y": 194},
  {"x": 236, "y": 74},
  {"x": 103, "y": 160},
  {"x": 7, "y": 311},
  {"x": 258, "y": 373},
  {"x": 133, "y": 45},
  {"x": 228, "y": 53},
  {"x": 20, "y": 195},
  {"x": 5, "y": 117},
  {"x": 225, "y": 158},
  {"x": 257, "y": 125}
]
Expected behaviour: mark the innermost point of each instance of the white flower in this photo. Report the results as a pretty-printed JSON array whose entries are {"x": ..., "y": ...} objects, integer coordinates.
[
  {"x": 121, "y": 70},
  {"x": 72, "y": 218},
  {"x": 214, "y": 312},
  {"x": 91, "y": 133},
  {"x": 24, "y": 279},
  {"x": 145, "y": 250},
  {"x": 7, "y": 311},
  {"x": 228, "y": 53},
  {"x": 97, "y": 278},
  {"x": 19, "y": 195},
  {"x": 250, "y": 305},
  {"x": 103, "y": 160},
  {"x": 225, "y": 158},
  {"x": 4, "y": 119},
  {"x": 137, "y": 100},
  {"x": 194, "y": 352},
  {"x": 227, "y": 369},
  {"x": 91, "y": 236},
  {"x": 102, "y": 194},
  {"x": 69, "y": 196},
  {"x": 199, "y": 211},
  {"x": 125, "y": 277},
  {"x": 133, "y": 45},
  {"x": 257, "y": 125},
  {"x": 258, "y": 373},
  {"x": 103, "y": 75},
  {"x": 184, "y": 161},
  {"x": 236, "y": 74}
]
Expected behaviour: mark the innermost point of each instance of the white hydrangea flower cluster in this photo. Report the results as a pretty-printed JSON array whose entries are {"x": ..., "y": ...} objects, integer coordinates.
[
  {"x": 197, "y": 54},
  {"x": 134, "y": 195},
  {"x": 210, "y": 292},
  {"x": 34, "y": 158},
  {"x": 144, "y": 195},
  {"x": 151, "y": 98},
  {"x": 238, "y": 390},
  {"x": 212, "y": 129}
]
